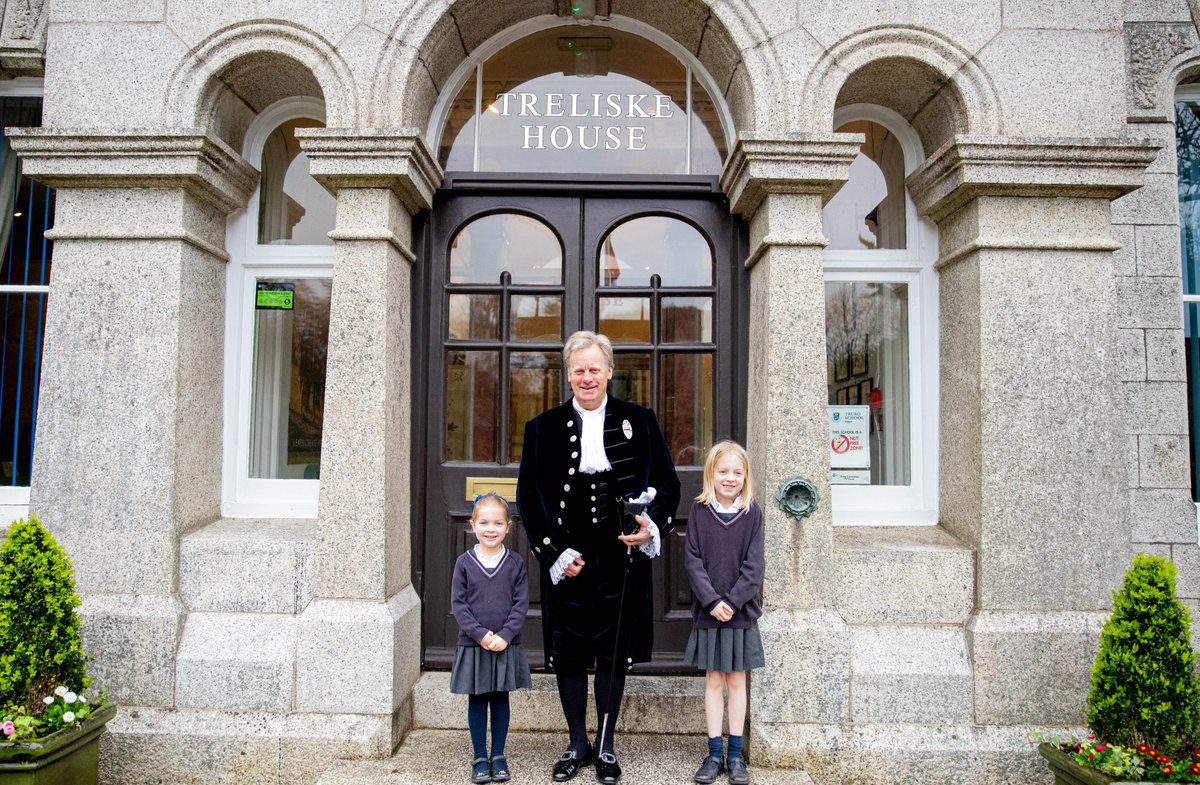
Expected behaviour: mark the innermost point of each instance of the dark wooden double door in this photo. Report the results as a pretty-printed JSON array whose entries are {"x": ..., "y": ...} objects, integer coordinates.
[{"x": 508, "y": 278}]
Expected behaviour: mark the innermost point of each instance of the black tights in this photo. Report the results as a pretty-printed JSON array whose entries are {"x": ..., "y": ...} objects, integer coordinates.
[
  {"x": 477, "y": 716},
  {"x": 572, "y": 692}
]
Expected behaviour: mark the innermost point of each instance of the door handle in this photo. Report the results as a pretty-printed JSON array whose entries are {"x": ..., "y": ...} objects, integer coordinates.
[{"x": 505, "y": 487}]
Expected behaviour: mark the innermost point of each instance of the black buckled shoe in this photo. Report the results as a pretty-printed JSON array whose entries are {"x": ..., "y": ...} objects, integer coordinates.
[
  {"x": 709, "y": 769},
  {"x": 570, "y": 763},
  {"x": 500, "y": 772},
  {"x": 738, "y": 774},
  {"x": 608, "y": 771},
  {"x": 481, "y": 770}
]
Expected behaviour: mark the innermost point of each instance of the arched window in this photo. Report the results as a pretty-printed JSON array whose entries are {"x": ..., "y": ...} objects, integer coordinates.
[
  {"x": 278, "y": 293},
  {"x": 881, "y": 331}
]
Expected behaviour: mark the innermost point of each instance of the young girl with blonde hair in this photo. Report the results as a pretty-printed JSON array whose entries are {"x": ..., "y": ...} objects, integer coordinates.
[{"x": 725, "y": 563}]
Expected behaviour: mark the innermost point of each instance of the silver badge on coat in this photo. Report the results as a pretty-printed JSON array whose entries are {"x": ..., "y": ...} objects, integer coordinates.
[{"x": 627, "y": 429}]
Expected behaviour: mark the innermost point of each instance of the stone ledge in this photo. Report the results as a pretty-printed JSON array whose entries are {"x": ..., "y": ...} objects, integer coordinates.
[
  {"x": 249, "y": 566},
  {"x": 653, "y": 704},
  {"x": 902, "y": 575},
  {"x": 910, "y": 674},
  {"x": 787, "y": 163},
  {"x": 396, "y": 159},
  {"x": 236, "y": 661}
]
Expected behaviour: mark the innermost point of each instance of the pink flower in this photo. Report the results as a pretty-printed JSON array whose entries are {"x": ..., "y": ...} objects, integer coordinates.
[
  {"x": 8, "y": 728},
  {"x": 1100, "y": 748}
]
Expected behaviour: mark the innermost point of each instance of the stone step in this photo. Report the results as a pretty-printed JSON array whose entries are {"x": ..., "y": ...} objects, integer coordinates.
[
  {"x": 442, "y": 757},
  {"x": 243, "y": 661},
  {"x": 902, "y": 575},
  {"x": 652, "y": 704},
  {"x": 238, "y": 565},
  {"x": 910, "y": 675}
]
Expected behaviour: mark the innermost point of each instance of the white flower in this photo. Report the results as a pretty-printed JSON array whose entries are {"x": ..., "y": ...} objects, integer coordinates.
[
  {"x": 69, "y": 716},
  {"x": 70, "y": 697},
  {"x": 60, "y": 691},
  {"x": 48, "y": 700}
]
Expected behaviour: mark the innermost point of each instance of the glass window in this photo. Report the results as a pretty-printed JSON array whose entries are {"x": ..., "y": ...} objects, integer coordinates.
[
  {"x": 25, "y": 274},
  {"x": 867, "y": 351},
  {"x": 570, "y": 100},
  {"x": 291, "y": 337},
  {"x": 524, "y": 247},
  {"x": 1187, "y": 147},
  {"x": 868, "y": 211},
  {"x": 293, "y": 208},
  {"x": 880, "y": 332}
]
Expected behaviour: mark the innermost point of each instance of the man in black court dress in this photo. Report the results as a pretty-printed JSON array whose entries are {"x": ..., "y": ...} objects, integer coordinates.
[{"x": 578, "y": 461}]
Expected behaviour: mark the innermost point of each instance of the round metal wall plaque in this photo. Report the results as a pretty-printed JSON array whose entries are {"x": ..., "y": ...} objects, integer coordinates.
[{"x": 798, "y": 498}]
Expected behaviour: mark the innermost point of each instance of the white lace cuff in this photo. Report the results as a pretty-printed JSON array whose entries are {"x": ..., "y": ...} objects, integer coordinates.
[
  {"x": 652, "y": 546},
  {"x": 564, "y": 559}
]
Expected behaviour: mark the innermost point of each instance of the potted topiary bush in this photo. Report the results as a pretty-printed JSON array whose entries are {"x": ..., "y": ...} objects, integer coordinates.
[
  {"x": 49, "y": 730},
  {"x": 1144, "y": 705}
]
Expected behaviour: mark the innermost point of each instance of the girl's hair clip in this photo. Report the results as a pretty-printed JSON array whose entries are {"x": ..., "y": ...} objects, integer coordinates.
[{"x": 500, "y": 500}]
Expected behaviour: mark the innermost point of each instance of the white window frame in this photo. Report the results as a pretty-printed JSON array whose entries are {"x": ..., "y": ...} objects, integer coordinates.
[
  {"x": 915, "y": 504},
  {"x": 1188, "y": 92},
  {"x": 14, "y": 499},
  {"x": 242, "y": 495}
]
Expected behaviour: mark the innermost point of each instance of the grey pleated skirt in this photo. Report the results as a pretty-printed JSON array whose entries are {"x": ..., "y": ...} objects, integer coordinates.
[
  {"x": 477, "y": 671},
  {"x": 726, "y": 649}
]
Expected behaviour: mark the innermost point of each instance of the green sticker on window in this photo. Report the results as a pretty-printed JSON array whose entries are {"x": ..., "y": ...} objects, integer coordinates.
[{"x": 273, "y": 296}]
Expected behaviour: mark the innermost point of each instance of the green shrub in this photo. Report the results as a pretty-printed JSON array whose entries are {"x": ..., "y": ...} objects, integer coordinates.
[
  {"x": 1144, "y": 688},
  {"x": 39, "y": 629}
]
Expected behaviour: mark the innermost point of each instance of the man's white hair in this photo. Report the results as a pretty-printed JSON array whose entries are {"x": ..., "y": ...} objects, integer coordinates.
[{"x": 584, "y": 339}]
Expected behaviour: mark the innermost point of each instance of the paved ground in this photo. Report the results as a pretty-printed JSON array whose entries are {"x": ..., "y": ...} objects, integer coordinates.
[{"x": 442, "y": 757}]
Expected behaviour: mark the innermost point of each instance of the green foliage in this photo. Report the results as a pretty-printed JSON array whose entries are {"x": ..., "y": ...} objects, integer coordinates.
[
  {"x": 1144, "y": 688},
  {"x": 39, "y": 629}
]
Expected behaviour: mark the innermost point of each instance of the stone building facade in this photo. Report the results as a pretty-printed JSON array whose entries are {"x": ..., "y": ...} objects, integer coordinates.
[{"x": 277, "y": 626}]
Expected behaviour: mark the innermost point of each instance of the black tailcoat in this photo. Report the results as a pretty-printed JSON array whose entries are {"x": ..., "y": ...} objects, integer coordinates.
[{"x": 558, "y": 511}]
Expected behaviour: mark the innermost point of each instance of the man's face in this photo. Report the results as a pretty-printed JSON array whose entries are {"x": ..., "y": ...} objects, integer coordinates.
[{"x": 589, "y": 375}]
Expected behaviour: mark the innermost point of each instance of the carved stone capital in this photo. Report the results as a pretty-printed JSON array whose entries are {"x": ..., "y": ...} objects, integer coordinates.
[
  {"x": 969, "y": 166},
  {"x": 395, "y": 159},
  {"x": 1150, "y": 48},
  {"x": 789, "y": 163},
  {"x": 23, "y": 37},
  {"x": 184, "y": 158}
]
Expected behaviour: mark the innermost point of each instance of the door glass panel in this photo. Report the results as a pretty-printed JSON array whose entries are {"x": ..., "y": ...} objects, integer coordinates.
[
  {"x": 472, "y": 406},
  {"x": 655, "y": 245},
  {"x": 474, "y": 317},
  {"x": 631, "y": 378},
  {"x": 287, "y": 404},
  {"x": 686, "y": 384},
  {"x": 687, "y": 320},
  {"x": 536, "y": 386},
  {"x": 522, "y": 246},
  {"x": 867, "y": 345},
  {"x": 625, "y": 319},
  {"x": 868, "y": 211},
  {"x": 536, "y": 317}
]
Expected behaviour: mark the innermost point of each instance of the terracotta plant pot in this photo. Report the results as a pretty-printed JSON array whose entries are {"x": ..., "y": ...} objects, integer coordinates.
[{"x": 69, "y": 757}]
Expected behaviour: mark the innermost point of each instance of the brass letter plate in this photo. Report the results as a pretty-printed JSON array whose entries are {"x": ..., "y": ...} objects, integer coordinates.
[{"x": 501, "y": 486}]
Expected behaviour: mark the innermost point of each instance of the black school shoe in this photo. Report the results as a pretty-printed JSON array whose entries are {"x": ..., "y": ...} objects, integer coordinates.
[
  {"x": 738, "y": 775},
  {"x": 709, "y": 769},
  {"x": 500, "y": 772},
  {"x": 608, "y": 771},
  {"x": 481, "y": 770},
  {"x": 570, "y": 763}
]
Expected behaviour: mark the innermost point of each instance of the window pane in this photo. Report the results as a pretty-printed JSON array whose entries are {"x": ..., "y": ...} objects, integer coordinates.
[
  {"x": 293, "y": 208},
  {"x": 583, "y": 100},
  {"x": 655, "y": 245},
  {"x": 24, "y": 318},
  {"x": 708, "y": 139},
  {"x": 1187, "y": 144},
  {"x": 687, "y": 320},
  {"x": 291, "y": 335},
  {"x": 457, "y": 150},
  {"x": 474, "y": 317},
  {"x": 472, "y": 406},
  {"x": 536, "y": 386},
  {"x": 536, "y": 318},
  {"x": 869, "y": 210},
  {"x": 524, "y": 247},
  {"x": 625, "y": 319},
  {"x": 1191, "y": 347},
  {"x": 27, "y": 260},
  {"x": 867, "y": 346},
  {"x": 687, "y": 406},
  {"x": 631, "y": 378}
]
